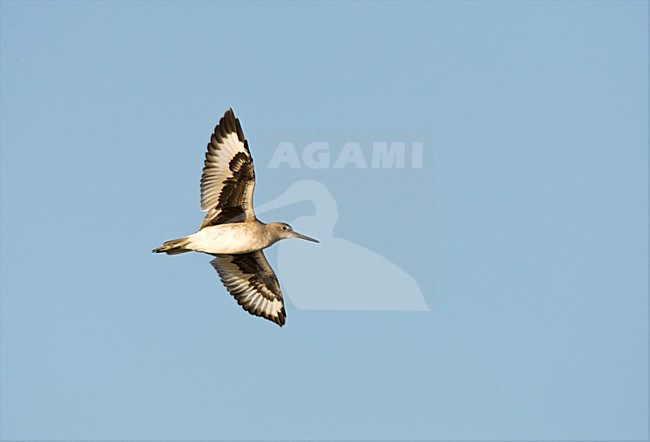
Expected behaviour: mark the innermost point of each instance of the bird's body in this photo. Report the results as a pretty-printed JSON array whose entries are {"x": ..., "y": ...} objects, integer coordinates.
[
  {"x": 242, "y": 237},
  {"x": 230, "y": 231},
  {"x": 235, "y": 238}
]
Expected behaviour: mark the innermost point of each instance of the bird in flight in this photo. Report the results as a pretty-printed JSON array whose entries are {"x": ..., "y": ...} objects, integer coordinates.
[{"x": 230, "y": 230}]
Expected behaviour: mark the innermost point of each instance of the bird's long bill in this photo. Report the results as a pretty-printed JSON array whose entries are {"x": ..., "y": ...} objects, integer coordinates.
[{"x": 301, "y": 236}]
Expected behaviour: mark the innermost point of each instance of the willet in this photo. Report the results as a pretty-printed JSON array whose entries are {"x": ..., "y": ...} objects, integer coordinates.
[{"x": 230, "y": 230}]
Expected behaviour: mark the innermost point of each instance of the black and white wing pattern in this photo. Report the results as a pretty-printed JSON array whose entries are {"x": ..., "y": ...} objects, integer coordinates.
[
  {"x": 251, "y": 280},
  {"x": 228, "y": 178}
]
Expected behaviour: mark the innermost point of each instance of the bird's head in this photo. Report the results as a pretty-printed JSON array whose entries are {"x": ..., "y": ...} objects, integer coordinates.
[{"x": 285, "y": 231}]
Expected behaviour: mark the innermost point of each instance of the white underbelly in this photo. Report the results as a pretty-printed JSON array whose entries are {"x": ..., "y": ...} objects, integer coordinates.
[{"x": 225, "y": 238}]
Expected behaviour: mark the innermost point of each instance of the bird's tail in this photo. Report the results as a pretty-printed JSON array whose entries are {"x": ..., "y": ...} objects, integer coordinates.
[{"x": 174, "y": 247}]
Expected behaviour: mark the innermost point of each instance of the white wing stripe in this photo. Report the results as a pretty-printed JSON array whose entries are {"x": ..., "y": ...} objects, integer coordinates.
[
  {"x": 250, "y": 279},
  {"x": 228, "y": 179},
  {"x": 215, "y": 174}
]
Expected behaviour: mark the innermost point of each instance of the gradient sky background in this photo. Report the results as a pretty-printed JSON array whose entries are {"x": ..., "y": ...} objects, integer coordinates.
[{"x": 526, "y": 228}]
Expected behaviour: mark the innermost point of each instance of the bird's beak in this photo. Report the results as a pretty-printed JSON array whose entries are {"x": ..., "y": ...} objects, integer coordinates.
[{"x": 301, "y": 236}]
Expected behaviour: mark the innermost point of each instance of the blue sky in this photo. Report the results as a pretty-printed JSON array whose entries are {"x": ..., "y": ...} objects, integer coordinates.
[{"x": 525, "y": 228}]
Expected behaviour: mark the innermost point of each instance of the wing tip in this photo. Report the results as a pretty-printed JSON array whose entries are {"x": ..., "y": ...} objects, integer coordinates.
[
  {"x": 229, "y": 123},
  {"x": 281, "y": 319}
]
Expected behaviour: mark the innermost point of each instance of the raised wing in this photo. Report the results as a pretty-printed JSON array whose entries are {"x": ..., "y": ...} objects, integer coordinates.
[
  {"x": 228, "y": 178},
  {"x": 251, "y": 281}
]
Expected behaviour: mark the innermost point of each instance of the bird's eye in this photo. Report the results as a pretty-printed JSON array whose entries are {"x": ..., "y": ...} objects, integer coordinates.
[{"x": 285, "y": 228}]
